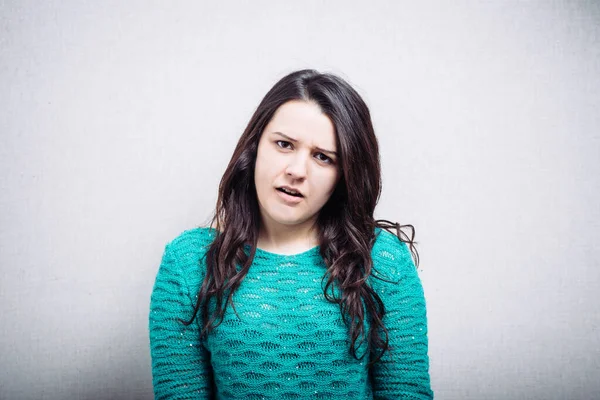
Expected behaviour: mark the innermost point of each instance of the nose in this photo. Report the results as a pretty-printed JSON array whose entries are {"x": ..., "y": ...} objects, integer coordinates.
[{"x": 296, "y": 166}]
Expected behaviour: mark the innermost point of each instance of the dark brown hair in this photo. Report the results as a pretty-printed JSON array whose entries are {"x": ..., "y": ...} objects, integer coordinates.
[{"x": 345, "y": 224}]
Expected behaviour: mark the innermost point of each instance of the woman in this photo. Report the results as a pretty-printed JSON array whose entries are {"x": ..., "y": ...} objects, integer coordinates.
[{"x": 325, "y": 301}]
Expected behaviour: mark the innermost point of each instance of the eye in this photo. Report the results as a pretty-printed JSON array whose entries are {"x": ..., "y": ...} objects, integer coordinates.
[
  {"x": 283, "y": 144},
  {"x": 282, "y": 141},
  {"x": 325, "y": 159}
]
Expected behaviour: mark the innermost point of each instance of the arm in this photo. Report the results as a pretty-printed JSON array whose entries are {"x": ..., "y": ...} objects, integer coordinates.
[
  {"x": 403, "y": 371},
  {"x": 180, "y": 363}
]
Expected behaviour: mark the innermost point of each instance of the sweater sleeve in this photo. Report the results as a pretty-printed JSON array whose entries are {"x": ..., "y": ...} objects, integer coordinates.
[
  {"x": 403, "y": 371},
  {"x": 180, "y": 363}
]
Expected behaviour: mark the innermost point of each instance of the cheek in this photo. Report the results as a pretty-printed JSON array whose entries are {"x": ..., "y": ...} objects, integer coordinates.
[
  {"x": 264, "y": 173},
  {"x": 261, "y": 164},
  {"x": 325, "y": 184},
  {"x": 264, "y": 159}
]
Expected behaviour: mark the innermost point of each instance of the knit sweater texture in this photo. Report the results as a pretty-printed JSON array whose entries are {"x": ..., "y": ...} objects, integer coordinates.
[{"x": 286, "y": 341}]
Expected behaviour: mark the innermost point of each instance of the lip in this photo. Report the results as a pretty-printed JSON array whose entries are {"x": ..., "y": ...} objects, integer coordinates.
[
  {"x": 289, "y": 199},
  {"x": 291, "y": 188}
]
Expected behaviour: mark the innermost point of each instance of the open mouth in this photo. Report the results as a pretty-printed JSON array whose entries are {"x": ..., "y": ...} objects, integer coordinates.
[{"x": 290, "y": 193}]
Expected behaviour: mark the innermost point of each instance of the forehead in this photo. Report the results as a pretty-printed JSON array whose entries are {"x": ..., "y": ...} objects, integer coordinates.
[{"x": 305, "y": 122}]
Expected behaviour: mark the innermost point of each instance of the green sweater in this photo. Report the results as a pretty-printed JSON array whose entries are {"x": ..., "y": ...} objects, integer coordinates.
[{"x": 288, "y": 342}]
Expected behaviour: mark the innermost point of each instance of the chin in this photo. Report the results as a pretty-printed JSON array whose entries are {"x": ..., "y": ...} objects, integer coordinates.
[{"x": 285, "y": 218}]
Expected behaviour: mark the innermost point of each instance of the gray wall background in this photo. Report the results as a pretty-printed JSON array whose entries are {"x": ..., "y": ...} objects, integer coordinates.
[{"x": 118, "y": 118}]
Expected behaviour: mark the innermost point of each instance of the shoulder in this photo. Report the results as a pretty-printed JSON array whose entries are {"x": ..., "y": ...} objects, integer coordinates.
[
  {"x": 391, "y": 257},
  {"x": 188, "y": 249},
  {"x": 191, "y": 242},
  {"x": 388, "y": 246}
]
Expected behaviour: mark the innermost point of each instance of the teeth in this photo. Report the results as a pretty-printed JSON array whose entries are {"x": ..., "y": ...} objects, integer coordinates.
[{"x": 290, "y": 191}]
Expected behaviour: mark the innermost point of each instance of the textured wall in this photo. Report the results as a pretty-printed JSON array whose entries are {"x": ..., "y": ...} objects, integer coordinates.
[{"x": 118, "y": 118}]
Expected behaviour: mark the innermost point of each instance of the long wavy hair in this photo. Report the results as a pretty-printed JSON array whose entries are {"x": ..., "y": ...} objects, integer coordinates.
[{"x": 345, "y": 224}]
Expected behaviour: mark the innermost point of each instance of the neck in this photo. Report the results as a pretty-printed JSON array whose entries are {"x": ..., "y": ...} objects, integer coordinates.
[{"x": 279, "y": 238}]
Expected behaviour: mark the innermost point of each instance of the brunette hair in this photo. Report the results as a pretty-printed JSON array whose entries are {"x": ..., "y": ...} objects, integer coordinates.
[{"x": 345, "y": 224}]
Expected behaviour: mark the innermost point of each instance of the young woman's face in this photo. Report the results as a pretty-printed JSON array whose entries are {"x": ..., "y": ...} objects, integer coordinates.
[{"x": 297, "y": 149}]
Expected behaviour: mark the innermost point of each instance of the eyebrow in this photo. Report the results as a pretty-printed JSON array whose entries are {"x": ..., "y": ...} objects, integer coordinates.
[{"x": 294, "y": 141}]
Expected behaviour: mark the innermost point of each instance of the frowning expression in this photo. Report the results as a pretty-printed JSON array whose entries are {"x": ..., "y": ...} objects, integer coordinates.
[{"x": 297, "y": 150}]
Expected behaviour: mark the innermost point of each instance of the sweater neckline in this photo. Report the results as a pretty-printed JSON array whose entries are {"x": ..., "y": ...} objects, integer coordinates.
[
  {"x": 278, "y": 256},
  {"x": 313, "y": 251}
]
